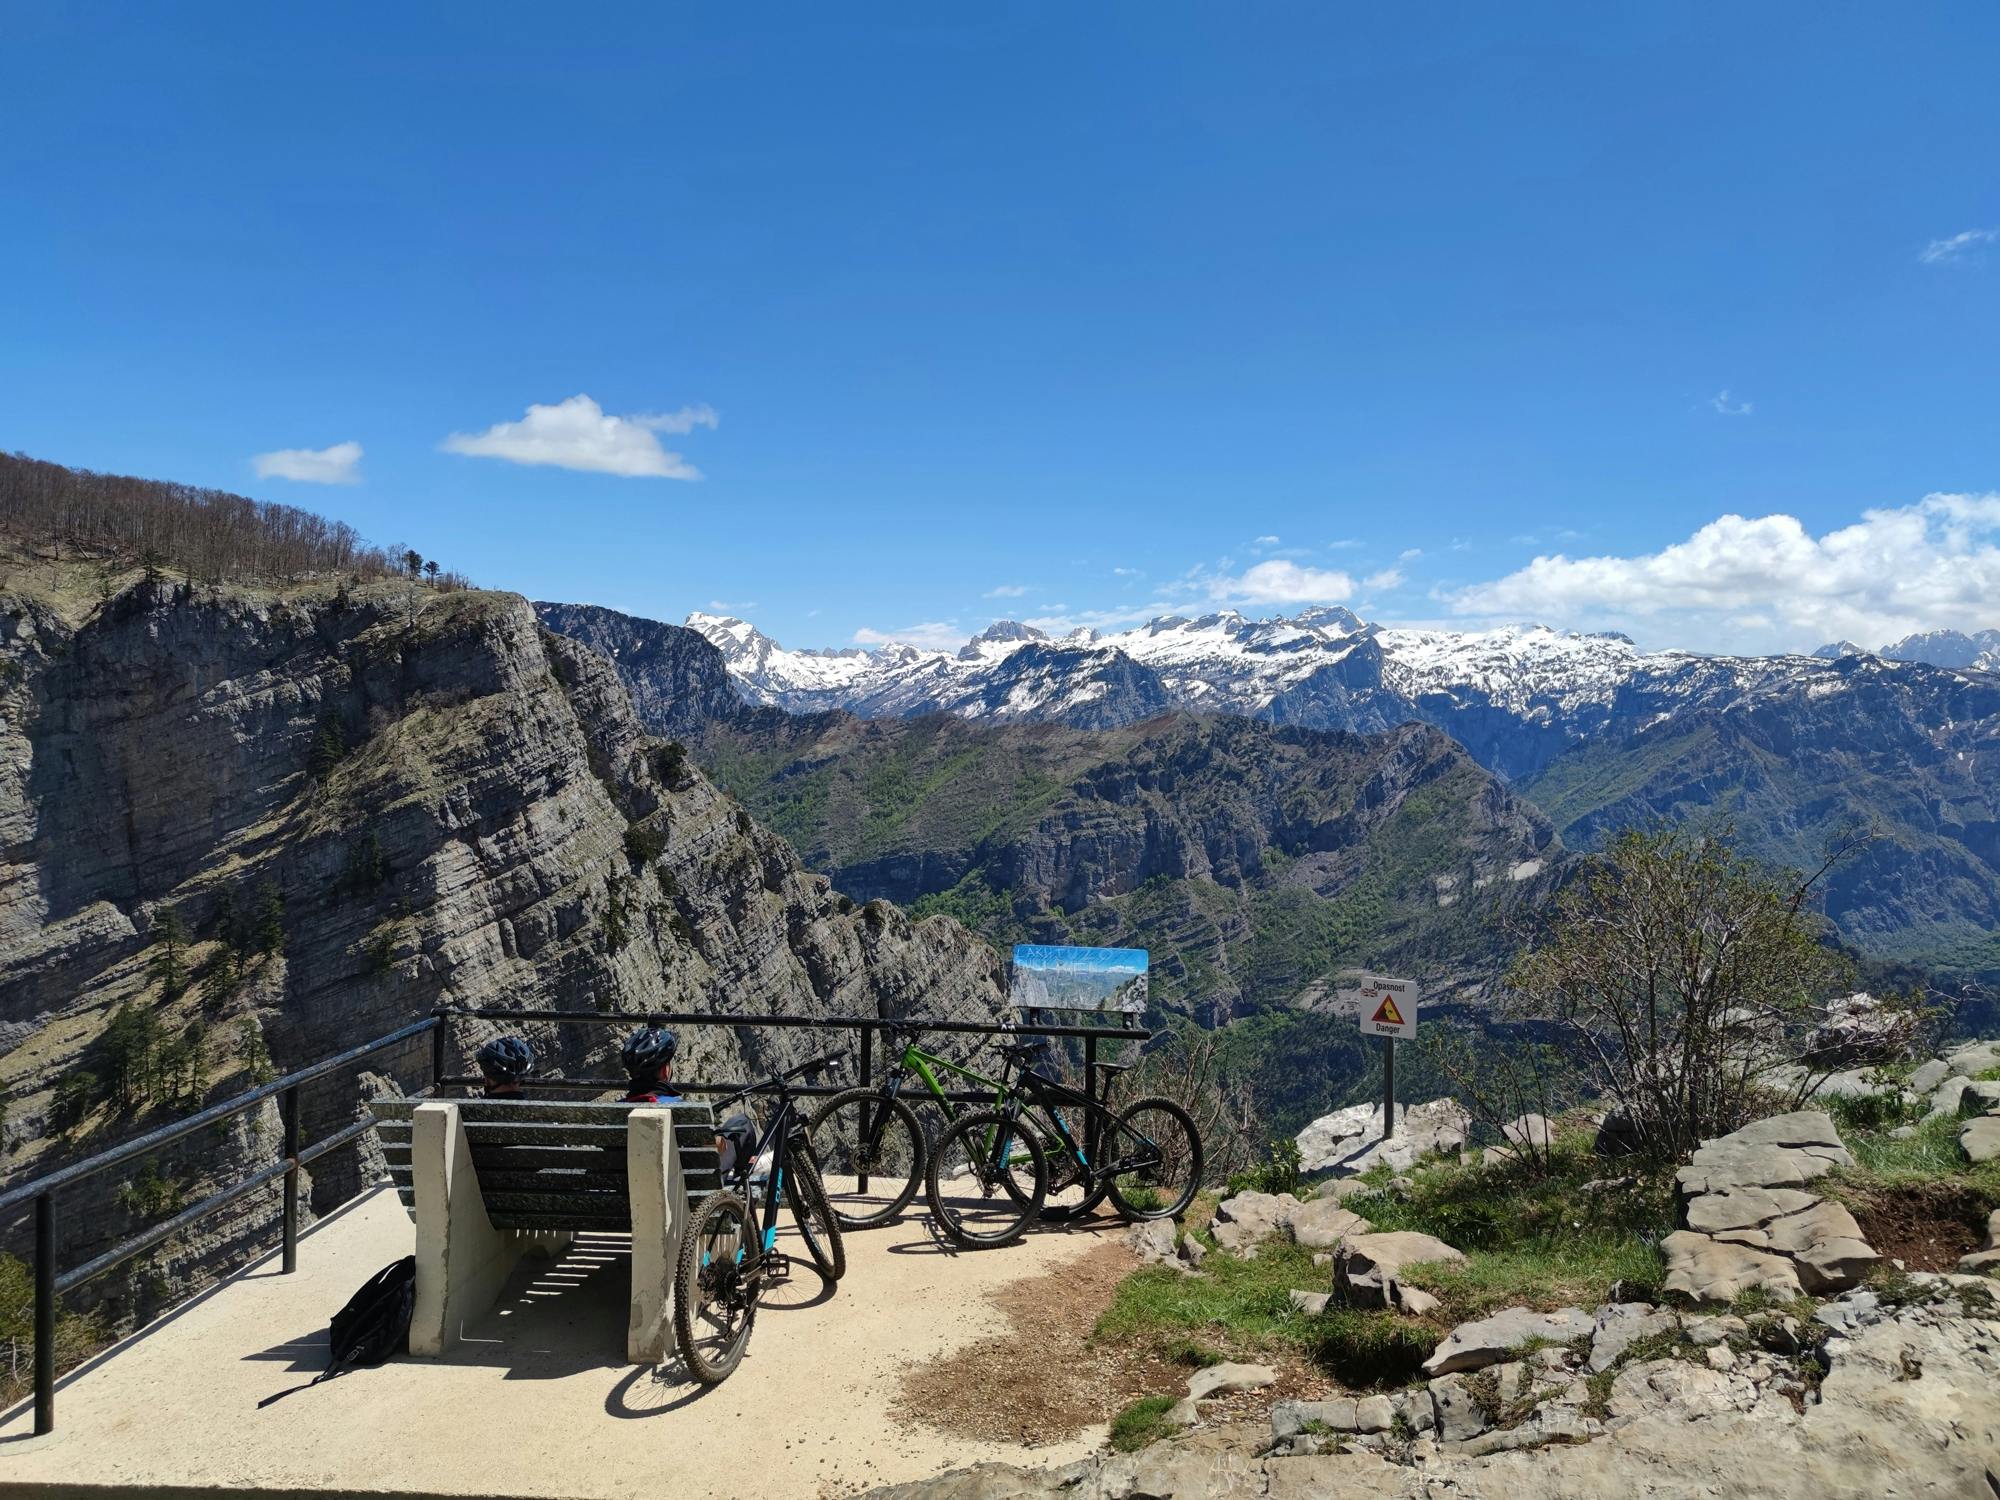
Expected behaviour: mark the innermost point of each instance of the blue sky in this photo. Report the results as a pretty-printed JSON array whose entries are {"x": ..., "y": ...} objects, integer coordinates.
[{"x": 1055, "y": 312}]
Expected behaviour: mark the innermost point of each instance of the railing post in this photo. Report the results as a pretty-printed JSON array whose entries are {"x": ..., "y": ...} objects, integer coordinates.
[
  {"x": 45, "y": 1313},
  {"x": 289, "y": 1107},
  {"x": 861, "y": 1133},
  {"x": 437, "y": 1052},
  {"x": 1092, "y": 1134}
]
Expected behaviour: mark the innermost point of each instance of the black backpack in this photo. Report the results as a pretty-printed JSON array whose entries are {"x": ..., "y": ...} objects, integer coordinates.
[{"x": 374, "y": 1325}]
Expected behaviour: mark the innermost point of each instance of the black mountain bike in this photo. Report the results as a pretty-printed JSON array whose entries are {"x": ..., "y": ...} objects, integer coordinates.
[
  {"x": 729, "y": 1251},
  {"x": 1047, "y": 1150}
]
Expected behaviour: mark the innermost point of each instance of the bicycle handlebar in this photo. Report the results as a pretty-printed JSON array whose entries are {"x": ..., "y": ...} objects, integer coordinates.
[{"x": 826, "y": 1061}]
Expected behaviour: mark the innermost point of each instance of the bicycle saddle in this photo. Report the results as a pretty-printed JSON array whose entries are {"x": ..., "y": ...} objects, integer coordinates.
[{"x": 1113, "y": 1069}]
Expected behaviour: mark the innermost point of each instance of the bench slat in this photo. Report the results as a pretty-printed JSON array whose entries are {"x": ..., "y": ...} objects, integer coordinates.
[
  {"x": 536, "y": 1133},
  {"x": 622, "y": 1221},
  {"x": 534, "y": 1158}
]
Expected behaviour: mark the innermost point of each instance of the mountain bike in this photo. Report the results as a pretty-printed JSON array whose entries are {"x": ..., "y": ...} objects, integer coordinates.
[
  {"x": 1040, "y": 1139},
  {"x": 990, "y": 1171},
  {"x": 729, "y": 1251}
]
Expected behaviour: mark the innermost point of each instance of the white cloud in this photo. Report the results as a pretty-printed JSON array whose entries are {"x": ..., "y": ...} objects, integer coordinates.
[
  {"x": 1901, "y": 569},
  {"x": 1409, "y": 554},
  {"x": 1128, "y": 572},
  {"x": 1726, "y": 408},
  {"x": 1267, "y": 541},
  {"x": 1956, "y": 247},
  {"x": 1388, "y": 578},
  {"x": 335, "y": 465},
  {"x": 1008, "y": 591},
  {"x": 1345, "y": 544},
  {"x": 576, "y": 434},
  {"x": 932, "y": 635},
  {"x": 1280, "y": 581}
]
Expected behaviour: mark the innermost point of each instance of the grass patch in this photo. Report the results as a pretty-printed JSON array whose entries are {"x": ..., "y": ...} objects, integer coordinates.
[
  {"x": 1245, "y": 1305},
  {"x": 1141, "y": 1423},
  {"x": 1928, "y": 1154}
]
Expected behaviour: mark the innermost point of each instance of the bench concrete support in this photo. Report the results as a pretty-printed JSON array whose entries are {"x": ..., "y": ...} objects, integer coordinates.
[
  {"x": 462, "y": 1260},
  {"x": 659, "y": 1215}
]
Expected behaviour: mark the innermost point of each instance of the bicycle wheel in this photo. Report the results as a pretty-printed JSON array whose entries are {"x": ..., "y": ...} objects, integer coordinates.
[
  {"x": 864, "y": 1134},
  {"x": 714, "y": 1303},
  {"x": 1152, "y": 1159},
  {"x": 986, "y": 1180},
  {"x": 1074, "y": 1191},
  {"x": 810, "y": 1211}
]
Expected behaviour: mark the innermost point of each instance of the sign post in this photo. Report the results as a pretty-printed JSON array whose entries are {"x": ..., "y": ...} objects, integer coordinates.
[{"x": 1386, "y": 1008}]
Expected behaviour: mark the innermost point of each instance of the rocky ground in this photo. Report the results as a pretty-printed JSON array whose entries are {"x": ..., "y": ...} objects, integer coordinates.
[{"x": 1775, "y": 1352}]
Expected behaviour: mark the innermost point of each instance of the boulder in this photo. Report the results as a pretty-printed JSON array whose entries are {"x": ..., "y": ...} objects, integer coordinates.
[
  {"x": 1617, "y": 1135},
  {"x": 1310, "y": 1303},
  {"x": 1974, "y": 1057},
  {"x": 1927, "y": 1076},
  {"x": 1986, "y": 1257},
  {"x": 1715, "y": 1271},
  {"x": 1321, "y": 1223},
  {"x": 1248, "y": 1219},
  {"x": 1826, "y": 1246},
  {"x": 1529, "y": 1130},
  {"x": 1979, "y": 1140},
  {"x": 1220, "y": 1379},
  {"x": 1860, "y": 1029},
  {"x": 1459, "y": 1416},
  {"x": 1945, "y": 1097},
  {"x": 1981, "y": 1096},
  {"x": 1488, "y": 1341},
  {"x": 1367, "y": 1268},
  {"x": 1622, "y": 1324},
  {"x": 1782, "y": 1151},
  {"x": 1184, "y": 1413},
  {"x": 1349, "y": 1141},
  {"x": 1153, "y": 1239},
  {"x": 1192, "y": 1251}
]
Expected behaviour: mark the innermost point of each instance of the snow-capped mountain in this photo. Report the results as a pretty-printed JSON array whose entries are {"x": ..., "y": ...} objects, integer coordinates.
[
  {"x": 1516, "y": 696},
  {"x": 1949, "y": 648}
]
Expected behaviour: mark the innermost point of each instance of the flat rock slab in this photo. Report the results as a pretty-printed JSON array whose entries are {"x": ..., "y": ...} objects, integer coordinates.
[
  {"x": 1489, "y": 1341},
  {"x": 1350, "y": 1140},
  {"x": 1715, "y": 1271},
  {"x": 1785, "y": 1151},
  {"x": 1323, "y": 1223},
  {"x": 1621, "y": 1325},
  {"x": 1217, "y": 1379}
]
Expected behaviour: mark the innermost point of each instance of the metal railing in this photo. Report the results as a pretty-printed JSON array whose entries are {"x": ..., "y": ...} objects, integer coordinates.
[{"x": 51, "y": 1283}]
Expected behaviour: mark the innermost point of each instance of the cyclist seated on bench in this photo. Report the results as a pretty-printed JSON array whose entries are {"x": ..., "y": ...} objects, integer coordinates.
[
  {"x": 503, "y": 1063},
  {"x": 648, "y": 1055}
]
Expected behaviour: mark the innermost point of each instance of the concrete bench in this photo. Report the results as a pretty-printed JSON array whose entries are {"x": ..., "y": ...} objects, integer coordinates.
[{"x": 488, "y": 1181}]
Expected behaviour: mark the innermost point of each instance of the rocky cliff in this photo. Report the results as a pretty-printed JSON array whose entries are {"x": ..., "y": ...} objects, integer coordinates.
[
  {"x": 360, "y": 803},
  {"x": 1254, "y": 860}
]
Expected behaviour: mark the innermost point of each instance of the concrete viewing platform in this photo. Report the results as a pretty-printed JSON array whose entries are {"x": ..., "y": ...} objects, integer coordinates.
[{"x": 537, "y": 1398}]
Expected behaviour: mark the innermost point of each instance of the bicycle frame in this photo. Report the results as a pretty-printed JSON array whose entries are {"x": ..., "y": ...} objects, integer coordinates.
[{"x": 777, "y": 1139}]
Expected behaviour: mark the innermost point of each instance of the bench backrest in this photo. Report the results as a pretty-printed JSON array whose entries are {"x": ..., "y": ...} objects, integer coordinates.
[{"x": 548, "y": 1164}]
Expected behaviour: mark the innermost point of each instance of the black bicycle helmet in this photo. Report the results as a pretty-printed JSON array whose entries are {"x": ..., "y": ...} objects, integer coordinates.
[
  {"x": 506, "y": 1059},
  {"x": 644, "y": 1051}
]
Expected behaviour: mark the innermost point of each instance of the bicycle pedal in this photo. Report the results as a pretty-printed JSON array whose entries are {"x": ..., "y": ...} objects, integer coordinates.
[{"x": 777, "y": 1265}]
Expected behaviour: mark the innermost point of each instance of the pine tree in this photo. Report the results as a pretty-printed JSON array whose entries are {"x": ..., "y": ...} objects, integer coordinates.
[
  {"x": 76, "y": 1095},
  {"x": 329, "y": 747},
  {"x": 128, "y": 1045},
  {"x": 255, "y": 1055},
  {"x": 170, "y": 962},
  {"x": 413, "y": 561},
  {"x": 269, "y": 927},
  {"x": 431, "y": 570}
]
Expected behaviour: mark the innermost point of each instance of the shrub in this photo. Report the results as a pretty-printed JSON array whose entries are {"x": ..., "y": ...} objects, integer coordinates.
[
  {"x": 1692, "y": 980},
  {"x": 1277, "y": 1173},
  {"x": 645, "y": 842}
]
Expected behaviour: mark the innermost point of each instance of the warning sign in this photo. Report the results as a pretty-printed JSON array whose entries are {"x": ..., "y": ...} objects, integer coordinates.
[{"x": 1384, "y": 1007}]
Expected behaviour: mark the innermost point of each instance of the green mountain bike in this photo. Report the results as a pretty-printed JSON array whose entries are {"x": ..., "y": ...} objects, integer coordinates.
[{"x": 1042, "y": 1150}]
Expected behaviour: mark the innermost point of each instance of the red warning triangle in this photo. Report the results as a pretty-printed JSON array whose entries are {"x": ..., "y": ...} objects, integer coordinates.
[{"x": 1386, "y": 1012}]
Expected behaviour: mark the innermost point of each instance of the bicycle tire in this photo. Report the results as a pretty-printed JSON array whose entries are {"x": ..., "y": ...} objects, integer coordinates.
[
  {"x": 970, "y": 1137},
  {"x": 691, "y": 1274},
  {"x": 1185, "y": 1153},
  {"x": 857, "y": 1212},
  {"x": 1069, "y": 1213},
  {"x": 810, "y": 1211}
]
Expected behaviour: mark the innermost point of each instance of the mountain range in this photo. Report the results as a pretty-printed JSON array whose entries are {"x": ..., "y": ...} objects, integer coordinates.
[{"x": 1794, "y": 750}]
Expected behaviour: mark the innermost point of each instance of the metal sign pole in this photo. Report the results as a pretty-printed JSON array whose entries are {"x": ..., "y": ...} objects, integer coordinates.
[{"x": 1388, "y": 1087}]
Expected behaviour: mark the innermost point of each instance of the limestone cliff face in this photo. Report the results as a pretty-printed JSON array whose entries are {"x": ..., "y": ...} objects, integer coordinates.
[{"x": 454, "y": 807}]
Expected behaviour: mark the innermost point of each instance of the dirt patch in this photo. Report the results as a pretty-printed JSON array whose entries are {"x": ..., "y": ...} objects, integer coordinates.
[
  {"x": 1046, "y": 1378},
  {"x": 1926, "y": 1226}
]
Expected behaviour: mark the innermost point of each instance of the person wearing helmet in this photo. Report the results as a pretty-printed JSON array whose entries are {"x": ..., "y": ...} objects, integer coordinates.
[
  {"x": 503, "y": 1063},
  {"x": 648, "y": 1056}
]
